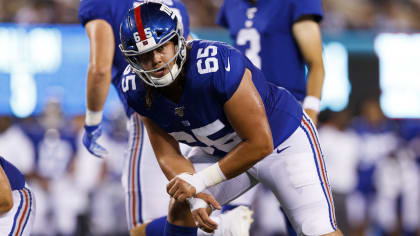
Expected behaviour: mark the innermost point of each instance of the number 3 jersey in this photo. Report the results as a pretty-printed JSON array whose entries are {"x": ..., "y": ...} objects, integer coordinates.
[
  {"x": 213, "y": 72},
  {"x": 263, "y": 32}
]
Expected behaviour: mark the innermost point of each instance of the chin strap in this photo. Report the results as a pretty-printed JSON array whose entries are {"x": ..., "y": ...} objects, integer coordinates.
[{"x": 168, "y": 78}]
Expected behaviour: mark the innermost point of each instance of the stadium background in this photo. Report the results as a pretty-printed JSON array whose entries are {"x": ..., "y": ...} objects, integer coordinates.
[{"x": 371, "y": 50}]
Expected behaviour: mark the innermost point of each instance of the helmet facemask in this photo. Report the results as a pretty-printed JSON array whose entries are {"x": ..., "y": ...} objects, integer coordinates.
[{"x": 179, "y": 59}]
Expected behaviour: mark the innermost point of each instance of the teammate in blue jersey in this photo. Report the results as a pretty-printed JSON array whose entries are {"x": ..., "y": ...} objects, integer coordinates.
[
  {"x": 17, "y": 202},
  {"x": 243, "y": 129},
  {"x": 143, "y": 180},
  {"x": 141, "y": 173},
  {"x": 281, "y": 38}
]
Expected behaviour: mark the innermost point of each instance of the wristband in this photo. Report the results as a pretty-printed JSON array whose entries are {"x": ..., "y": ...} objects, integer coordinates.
[
  {"x": 211, "y": 175},
  {"x": 203, "y": 179},
  {"x": 194, "y": 181},
  {"x": 93, "y": 117},
  {"x": 196, "y": 203},
  {"x": 312, "y": 103}
]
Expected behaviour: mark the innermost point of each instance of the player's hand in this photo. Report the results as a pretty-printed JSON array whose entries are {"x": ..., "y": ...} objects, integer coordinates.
[
  {"x": 92, "y": 133},
  {"x": 180, "y": 189},
  {"x": 313, "y": 115},
  {"x": 200, "y": 214}
]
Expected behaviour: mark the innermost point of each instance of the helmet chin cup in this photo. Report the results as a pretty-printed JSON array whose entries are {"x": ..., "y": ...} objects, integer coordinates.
[{"x": 166, "y": 79}]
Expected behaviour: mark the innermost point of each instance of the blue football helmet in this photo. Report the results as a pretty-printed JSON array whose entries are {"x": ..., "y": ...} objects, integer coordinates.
[{"x": 145, "y": 28}]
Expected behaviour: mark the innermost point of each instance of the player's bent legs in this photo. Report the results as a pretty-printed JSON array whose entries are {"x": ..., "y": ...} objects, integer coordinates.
[
  {"x": 19, "y": 220},
  {"x": 296, "y": 174},
  {"x": 143, "y": 180}
]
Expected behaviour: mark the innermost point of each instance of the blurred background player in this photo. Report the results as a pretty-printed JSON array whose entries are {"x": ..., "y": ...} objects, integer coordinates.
[
  {"x": 17, "y": 202},
  {"x": 396, "y": 180},
  {"x": 53, "y": 137},
  {"x": 14, "y": 143},
  {"x": 378, "y": 139},
  {"x": 141, "y": 173},
  {"x": 283, "y": 39}
]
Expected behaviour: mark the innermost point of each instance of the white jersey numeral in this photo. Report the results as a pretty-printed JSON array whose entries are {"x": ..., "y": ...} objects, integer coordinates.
[
  {"x": 225, "y": 143},
  {"x": 252, "y": 36},
  {"x": 125, "y": 83},
  {"x": 211, "y": 64}
]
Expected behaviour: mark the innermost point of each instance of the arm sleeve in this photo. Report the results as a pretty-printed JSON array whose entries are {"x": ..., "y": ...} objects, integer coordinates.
[
  {"x": 221, "y": 16},
  {"x": 15, "y": 177},
  {"x": 226, "y": 84},
  {"x": 307, "y": 7},
  {"x": 94, "y": 9}
]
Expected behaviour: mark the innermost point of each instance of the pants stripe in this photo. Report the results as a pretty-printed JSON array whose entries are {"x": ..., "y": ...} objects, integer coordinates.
[
  {"x": 22, "y": 214},
  {"x": 311, "y": 134},
  {"x": 17, "y": 213},
  {"x": 134, "y": 178},
  {"x": 137, "y": 172},
  {"x": 30, "y": 208}
]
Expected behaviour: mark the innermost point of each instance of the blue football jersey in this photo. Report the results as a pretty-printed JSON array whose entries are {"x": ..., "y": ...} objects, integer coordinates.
[
  {"x": 263, "y": 32},
  {"x": 113, "y": 11},
  {"x": 213, "y": 72},
  {"x": 16, "y": 178},
  {"x": 377, "y": 142}
]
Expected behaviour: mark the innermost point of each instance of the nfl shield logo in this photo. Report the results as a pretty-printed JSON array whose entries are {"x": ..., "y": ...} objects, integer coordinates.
[{"x": 179, "y": 111}]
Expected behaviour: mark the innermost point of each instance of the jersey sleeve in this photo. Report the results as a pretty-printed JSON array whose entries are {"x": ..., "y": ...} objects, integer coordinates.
[
  {"x": 232, "y": 68},
  {"x": 94, "y": 9},
  {"x": 221, "y": 16},
  {"x": 307, "y": 7},
  {"x": 185, "y": 17},
  {"x": 15, "y": 177}
]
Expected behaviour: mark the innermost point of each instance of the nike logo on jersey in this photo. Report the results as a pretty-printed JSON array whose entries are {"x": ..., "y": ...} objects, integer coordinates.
[
  {"x": 280, "y": 150},
  {"x": 227, "y": 68}
]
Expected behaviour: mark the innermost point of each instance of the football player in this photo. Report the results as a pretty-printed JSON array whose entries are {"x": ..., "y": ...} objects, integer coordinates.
[
  {"x": 142, "y": 179},
  {"x": 243, "y": 130},
  {"x": 283, "y": 39},
  {"x": 17, "y": 202}
]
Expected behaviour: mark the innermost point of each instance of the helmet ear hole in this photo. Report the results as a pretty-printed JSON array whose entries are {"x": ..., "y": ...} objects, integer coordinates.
[{"x": 159, "y": 33}]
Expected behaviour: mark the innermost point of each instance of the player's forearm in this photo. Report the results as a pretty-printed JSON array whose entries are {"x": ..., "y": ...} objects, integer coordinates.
[
  {"x": 98, "y": 83},
  {"x": 236, "y": 162},
  {"x": 6, "y": 199},
  {"x": 315, "y": 80},
  {"x": 244, "y": 156},
  {"x": 174, "y": 165}
]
